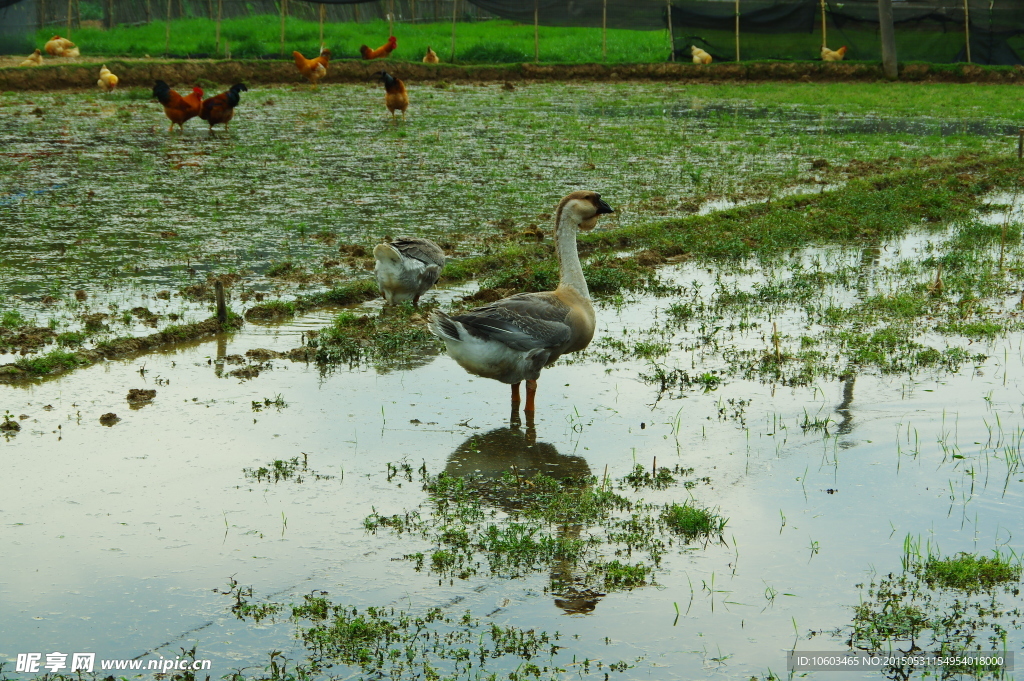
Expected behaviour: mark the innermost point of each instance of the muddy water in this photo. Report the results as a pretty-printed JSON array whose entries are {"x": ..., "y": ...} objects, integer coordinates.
[{"x": 118, "y": 536}]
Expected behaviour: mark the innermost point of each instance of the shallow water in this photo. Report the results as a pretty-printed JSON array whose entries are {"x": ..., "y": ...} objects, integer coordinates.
[{"x": 130, "y": 528}]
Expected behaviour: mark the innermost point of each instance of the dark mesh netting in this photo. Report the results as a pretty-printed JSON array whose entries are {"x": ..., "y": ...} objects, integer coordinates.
[
  {"x": 926, "y": 30},
  {"x": 638, "y": 14}
]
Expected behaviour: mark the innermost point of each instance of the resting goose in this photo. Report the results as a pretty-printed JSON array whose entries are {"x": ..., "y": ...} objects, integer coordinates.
[
  {"x": 514, "y": 338},
  {"x": 407, "y": 268}
]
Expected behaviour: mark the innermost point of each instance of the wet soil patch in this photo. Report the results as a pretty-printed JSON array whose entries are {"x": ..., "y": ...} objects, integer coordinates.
[{"x": 141, "y": 72}]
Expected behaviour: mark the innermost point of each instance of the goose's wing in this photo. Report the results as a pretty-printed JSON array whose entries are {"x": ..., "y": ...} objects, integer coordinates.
[
  {"x": 424, "y": 250},
  {"x": 527, "y": 321}
]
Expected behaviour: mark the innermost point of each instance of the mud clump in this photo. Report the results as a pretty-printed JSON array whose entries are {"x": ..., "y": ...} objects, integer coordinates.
[
  {"x": 94, "y": 321},
  {"x": 245, "y": 373},
  {"x": 140, "y": 395},
  {"x": 649, "y": 258},
  {"x": 353, "y": 250},
  {"x": 26, "y": 339},
  {"x": 109, "y": 419},
  {"x": 10, "y": 426},
  {"x": 81, "y": 295},
  {"x": 488, "y": 295},
  {"x": 205, "y": 290},
  {"x": 262, "y": 354}
]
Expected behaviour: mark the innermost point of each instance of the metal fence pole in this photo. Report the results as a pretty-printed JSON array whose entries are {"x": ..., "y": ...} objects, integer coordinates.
[{"x": 967, "y": 30}]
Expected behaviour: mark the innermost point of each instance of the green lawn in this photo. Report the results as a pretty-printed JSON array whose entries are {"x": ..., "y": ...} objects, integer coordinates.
[{"x": 482, "y": 42}]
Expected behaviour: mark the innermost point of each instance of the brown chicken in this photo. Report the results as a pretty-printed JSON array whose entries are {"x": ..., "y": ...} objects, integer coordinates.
[
  {"x": 221, "y": 108},
  {"x": 430, "y": 57},
  {"x": 384, "y": 50},
  {"x": 178, "y": 109},
  {"x": 395, "y": 96},
  {"x": 313, "y": 69}
]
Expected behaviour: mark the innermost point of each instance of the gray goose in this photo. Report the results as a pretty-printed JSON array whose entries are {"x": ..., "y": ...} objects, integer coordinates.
[
  {"x": 514, "y": 338},
  {"x": 406, "y": 268}
]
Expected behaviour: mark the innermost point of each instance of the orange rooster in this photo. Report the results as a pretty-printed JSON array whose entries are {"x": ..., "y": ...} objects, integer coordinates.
[
  {"x": 384, "y": 50},
  {"x": 221, "y": 108},
  {"x": 395, "y": 96},
  {"x": 178, "y": 109},
  {"x": 833, "y": 55},
  {"x": 313, "y": 69},
  {"x": 430, "y": 57}
]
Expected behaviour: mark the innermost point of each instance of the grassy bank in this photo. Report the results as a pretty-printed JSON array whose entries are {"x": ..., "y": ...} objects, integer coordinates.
[{"x": 490, "y": 42}]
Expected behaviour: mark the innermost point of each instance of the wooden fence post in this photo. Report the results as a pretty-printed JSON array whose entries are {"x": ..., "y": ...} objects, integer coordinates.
[
  {"x": 737, "y": 30},
  {"x": 671, "y": 38},
  {"x": 455, "y": 4},
  {"x": 222, "y": 308},
  {"x": 824, "y": 37},
  {"x": 967, "y": 30},
  {"x": 536, "y": 31},
  {"x": 284, "y": 13},
  {"x": 167, "y": 31},
  {"x": 220, "y": 12},
  {"x": 604, "y": 29},
  {"x": 68, "y": 31},
  {"x": 323, "y": 12},
  {"x": 888, "y": 35}
]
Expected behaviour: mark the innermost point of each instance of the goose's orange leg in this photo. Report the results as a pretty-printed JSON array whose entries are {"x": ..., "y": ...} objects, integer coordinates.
[
  {"x": 515, "y": 395},
  {"x": 531, "y": 392}
]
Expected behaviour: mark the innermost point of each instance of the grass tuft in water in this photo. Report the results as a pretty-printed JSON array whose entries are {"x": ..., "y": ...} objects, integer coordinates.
[{"x": 693, "y": 522}]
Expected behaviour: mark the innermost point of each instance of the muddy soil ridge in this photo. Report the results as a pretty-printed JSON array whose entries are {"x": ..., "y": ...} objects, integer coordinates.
[{"x": 142, "y": 72}]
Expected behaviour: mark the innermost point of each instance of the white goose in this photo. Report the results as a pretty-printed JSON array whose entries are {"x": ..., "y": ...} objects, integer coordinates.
[
  {"x": 514, "y": 338},
  {"x": 407, "y": 268}
]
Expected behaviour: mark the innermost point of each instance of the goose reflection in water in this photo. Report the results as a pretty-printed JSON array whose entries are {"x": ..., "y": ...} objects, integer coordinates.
[{"x": 490, "y": 455}]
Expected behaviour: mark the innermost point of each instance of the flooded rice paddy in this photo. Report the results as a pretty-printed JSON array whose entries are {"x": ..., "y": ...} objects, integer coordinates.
[{"x": 839, "y": 421}]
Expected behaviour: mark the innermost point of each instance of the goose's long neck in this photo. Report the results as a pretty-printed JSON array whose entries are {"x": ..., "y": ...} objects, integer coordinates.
[{"x": 570, "y": 271}]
